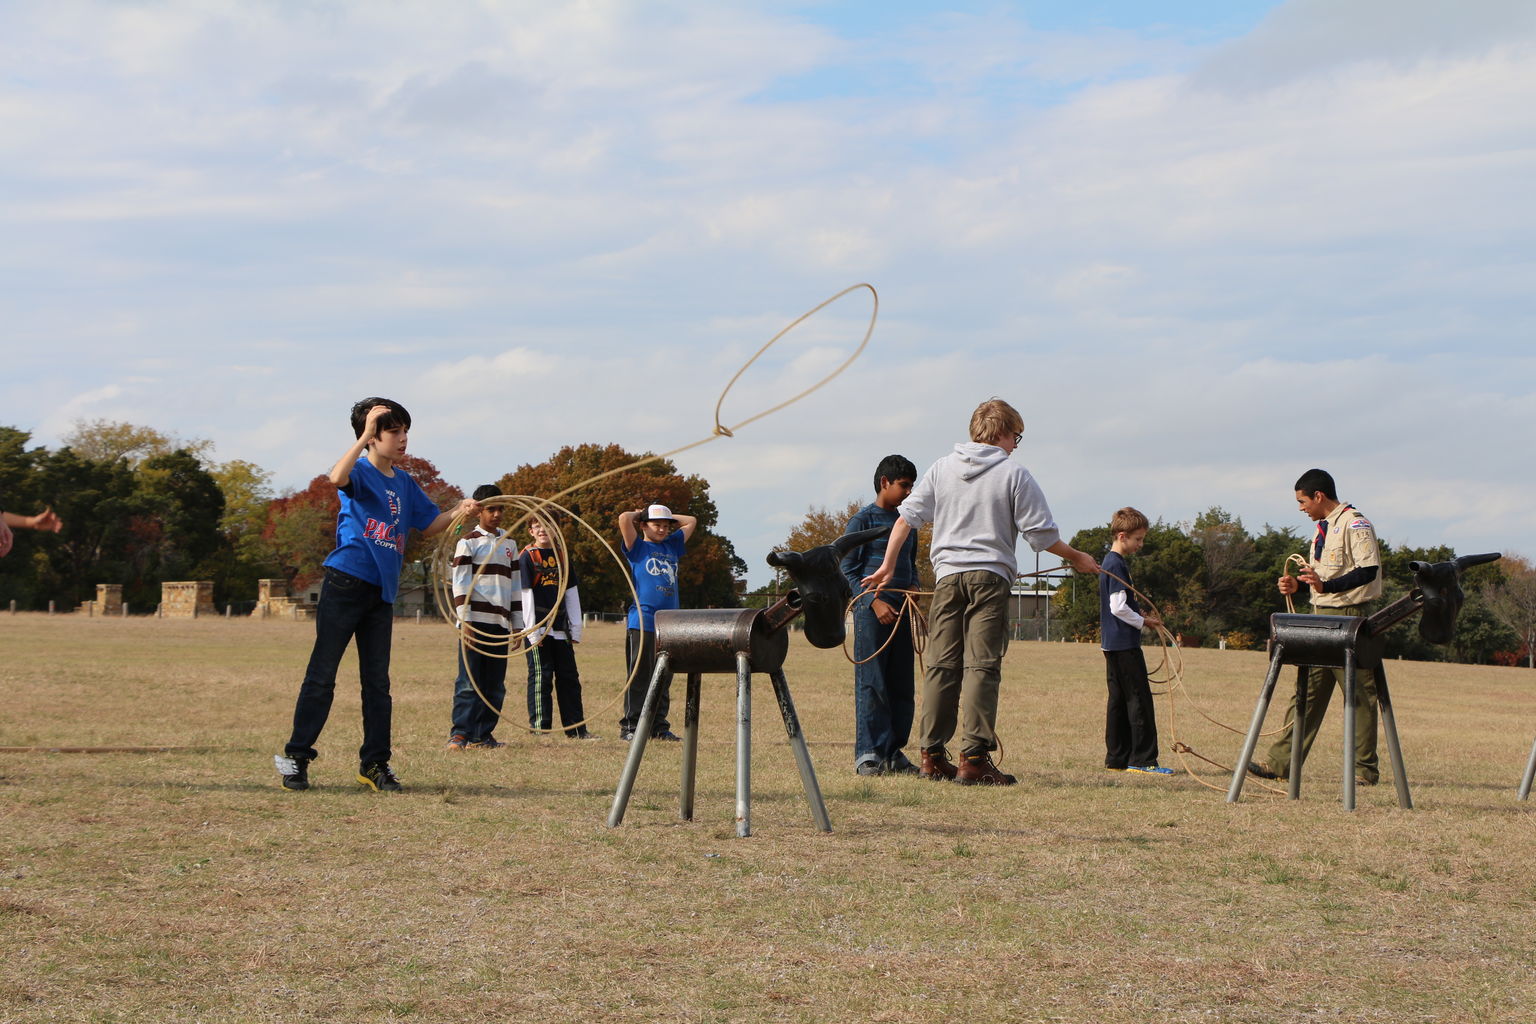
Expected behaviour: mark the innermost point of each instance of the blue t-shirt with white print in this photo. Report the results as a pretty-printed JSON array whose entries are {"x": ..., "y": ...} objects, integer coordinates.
[{"x": 377, "y": 512}]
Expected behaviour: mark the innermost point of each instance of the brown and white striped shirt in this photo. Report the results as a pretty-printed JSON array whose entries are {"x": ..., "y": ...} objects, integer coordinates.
[{"x": 495, "y": 600}]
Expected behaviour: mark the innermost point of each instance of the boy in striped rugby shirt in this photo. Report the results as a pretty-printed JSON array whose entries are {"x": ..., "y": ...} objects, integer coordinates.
[{"x": 486, "y": 599}]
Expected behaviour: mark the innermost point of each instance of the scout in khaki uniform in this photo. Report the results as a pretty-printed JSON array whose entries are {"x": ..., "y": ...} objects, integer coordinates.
[{"x": 1343, "y": 574}]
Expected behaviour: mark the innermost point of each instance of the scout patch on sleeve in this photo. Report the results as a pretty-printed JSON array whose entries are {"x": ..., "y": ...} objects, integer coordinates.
[{"x": 1360, "y": 523}]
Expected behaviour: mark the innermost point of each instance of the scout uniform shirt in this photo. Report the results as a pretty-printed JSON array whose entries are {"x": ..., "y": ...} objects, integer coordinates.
[{"x": 1349, "y": 543}]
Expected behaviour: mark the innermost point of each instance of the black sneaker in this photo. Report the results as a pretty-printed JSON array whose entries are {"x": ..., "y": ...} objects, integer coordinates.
[
  {"x": 378, "y": 777},
  {"x": 1261, "y": 770},
  {"x": 667, "y": 736},
  {"x": 294, "y": 771},
  {"x": 869, "y": 768},
  {"x": 489, "y": 743},
  {"x": 627, "y": 735}
]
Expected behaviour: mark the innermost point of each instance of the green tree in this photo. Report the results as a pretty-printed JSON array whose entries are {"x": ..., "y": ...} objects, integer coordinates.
[
  {"x": 711, "y": 574},
  {"x": 109, "y": 440},
  {"x": 1512, "y": 599}
]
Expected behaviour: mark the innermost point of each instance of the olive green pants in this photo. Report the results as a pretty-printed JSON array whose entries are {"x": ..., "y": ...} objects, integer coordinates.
[
  {"x": 967, "y": 638},
  {"x": 1319, "y": 689}
]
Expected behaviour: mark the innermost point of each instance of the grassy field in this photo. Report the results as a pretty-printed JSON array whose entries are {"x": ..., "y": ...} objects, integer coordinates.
[{"x": 187, "y": 886}]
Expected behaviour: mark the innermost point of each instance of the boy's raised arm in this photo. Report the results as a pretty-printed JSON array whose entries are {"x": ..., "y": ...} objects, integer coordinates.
[
  {"x": 341, "y": 473},
  {"x": 627, "y": 530},
  {"x": 686, "y": 524}
]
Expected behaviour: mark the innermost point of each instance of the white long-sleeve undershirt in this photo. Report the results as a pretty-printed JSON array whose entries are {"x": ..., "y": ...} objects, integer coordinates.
[{"x": 1121, "y": 609}]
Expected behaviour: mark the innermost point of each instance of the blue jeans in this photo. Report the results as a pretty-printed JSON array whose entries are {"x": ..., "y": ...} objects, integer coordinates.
[
  {"x": 481, "y": 657},
  {"x": 349, "y": 607},
  {"x": 882, "y": 687}
]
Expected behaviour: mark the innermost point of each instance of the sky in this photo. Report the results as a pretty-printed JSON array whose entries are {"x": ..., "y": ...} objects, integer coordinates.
[{"x": 1202, "y": 246}]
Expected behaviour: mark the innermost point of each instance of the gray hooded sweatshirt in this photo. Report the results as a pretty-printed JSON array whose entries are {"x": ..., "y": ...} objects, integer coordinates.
[{"x": 979, "y": 502}]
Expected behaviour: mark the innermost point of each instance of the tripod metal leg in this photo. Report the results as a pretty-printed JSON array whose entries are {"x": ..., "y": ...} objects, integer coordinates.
[
  {"x": 690, "y": 745},
  {"x": 802, "y": 753},
  {"x": 1255, "y": 727},
  {"x": 637, "y": 745},
  {"x": 1530, "y": 774},
  {"x": 1298, "y": 729},
  {"x": 1394, "y": 748},
  {"x": 1350, "y": 689},
  {"x": 743, "y": 745}
]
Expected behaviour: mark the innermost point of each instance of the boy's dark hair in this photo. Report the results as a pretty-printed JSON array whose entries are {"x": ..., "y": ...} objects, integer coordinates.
[
  {"x": 396, "y": 418},
  {"x": 1127, "y": 520},
  {"x": 1314, "y": 480},
  {"x": 486, "y": 491},
  {"x": 894, "y": 467}
]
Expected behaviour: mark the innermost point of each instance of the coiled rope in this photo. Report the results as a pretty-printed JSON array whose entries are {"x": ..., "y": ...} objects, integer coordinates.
[{"x": 537, "y": 508}]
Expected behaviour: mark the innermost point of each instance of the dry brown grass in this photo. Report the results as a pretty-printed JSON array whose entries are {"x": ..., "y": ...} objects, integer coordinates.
[{"x": 187, "y": 886}]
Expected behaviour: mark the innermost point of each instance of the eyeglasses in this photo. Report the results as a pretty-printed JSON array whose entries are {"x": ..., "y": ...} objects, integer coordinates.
[{"x": 1017, "y": 438}]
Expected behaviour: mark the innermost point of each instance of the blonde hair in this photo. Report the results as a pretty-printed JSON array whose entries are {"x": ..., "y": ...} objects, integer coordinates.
[
  {"x": 1127, "y": 520},
  {"x": 994, "y": 419}
]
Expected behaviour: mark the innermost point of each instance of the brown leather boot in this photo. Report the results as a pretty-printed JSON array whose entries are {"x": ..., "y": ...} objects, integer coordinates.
[
  {"x": 936, "y": 765},
  {"x": 978, "y": 770}
]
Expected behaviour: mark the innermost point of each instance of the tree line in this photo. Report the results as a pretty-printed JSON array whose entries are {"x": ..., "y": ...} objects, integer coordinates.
[{"x": 141, "y": 507}]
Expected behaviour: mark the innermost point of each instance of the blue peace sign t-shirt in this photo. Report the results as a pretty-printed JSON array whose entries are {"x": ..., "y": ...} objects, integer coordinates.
[
  {"x": 654, "y": 568},
  {"x": 377, "y": 512}
]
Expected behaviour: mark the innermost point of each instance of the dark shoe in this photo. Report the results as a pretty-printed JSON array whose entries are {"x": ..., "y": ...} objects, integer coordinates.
[
  {"x": 1361, "y": 780},
  {"x": 457, "y": 741},
  {"x": 869, "y": 768},
  {"x": 489, "y": 743},
  {"x": 900, "y": 765},
  {"x": 668, "y": 736},
  {"x": 378, "y": 777},
  {"x": 627, "y": 735},
  {"x": 978, "y": 770},
  {"x": 294, "y": 771},
  {"x": 936, "y": 765},
  {"x": 1261, "y": 770}
]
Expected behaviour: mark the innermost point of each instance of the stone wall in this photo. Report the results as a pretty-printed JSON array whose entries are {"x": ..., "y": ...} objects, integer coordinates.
[
  {"x": 186, "y": 600},
  {"x": 109, "y": 600},
  {"x": 273, "y": 602}
]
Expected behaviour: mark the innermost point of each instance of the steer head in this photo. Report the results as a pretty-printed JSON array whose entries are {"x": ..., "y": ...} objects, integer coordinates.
[
  {"x": 1439, "y": 587},
  {"x": 821, "y": 586}
]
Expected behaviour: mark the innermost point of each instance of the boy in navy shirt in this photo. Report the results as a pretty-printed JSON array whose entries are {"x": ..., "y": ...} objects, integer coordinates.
[
  {"x": 379, "y": 506},
  {"x": 882, "y": 634},
  {"x": 654, "y": 541},
  {"x": 1130, "y": 727}
]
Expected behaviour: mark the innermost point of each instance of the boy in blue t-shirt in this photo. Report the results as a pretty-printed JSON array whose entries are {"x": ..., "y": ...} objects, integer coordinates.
[
  {"x": 379, "y": 506},
  {"x": 1130, "y": 726},
  {"x": 882, "y": 635},
  {"x": 654, "y": 542}
]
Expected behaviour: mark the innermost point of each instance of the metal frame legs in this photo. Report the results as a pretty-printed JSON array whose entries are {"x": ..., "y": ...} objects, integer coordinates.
[
  {"x": 1388, "y": 723},
  {"x": 663, "y": 674}
]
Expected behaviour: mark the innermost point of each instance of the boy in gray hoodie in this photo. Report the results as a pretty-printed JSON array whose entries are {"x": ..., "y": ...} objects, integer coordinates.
[{"x": 979, "y": 503}]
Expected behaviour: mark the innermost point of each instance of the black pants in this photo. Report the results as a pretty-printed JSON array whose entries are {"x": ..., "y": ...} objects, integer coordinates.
[
  {"x": 640, "y": 646},
  {"x": 349, "y": 607},
  {"x": 552, "y": 667},
  {"x": 1130, "y": 727}
]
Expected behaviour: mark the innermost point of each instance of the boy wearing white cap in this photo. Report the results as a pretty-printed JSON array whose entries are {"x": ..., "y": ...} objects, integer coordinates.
[{"x": 654, "y": 542}]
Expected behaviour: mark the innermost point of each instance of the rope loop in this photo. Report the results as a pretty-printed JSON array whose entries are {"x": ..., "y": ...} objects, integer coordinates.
[{"x": 539, "y": 508}]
